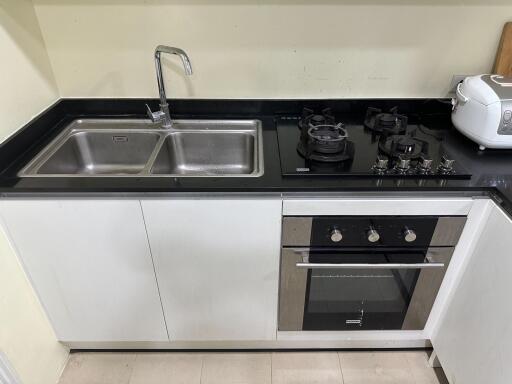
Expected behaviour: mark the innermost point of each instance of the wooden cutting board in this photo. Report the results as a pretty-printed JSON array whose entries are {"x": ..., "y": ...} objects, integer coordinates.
[{"x": 503, "y": 62}]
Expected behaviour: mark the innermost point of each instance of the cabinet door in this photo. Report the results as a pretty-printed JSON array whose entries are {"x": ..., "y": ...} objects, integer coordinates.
[
  {"x": 90, "y": 264},
  {"x": 217, "y": 265},
  {"x": 474, "y": 337}
]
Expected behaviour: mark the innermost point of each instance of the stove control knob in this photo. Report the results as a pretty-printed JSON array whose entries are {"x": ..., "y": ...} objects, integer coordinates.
[
  {"x": 446, "y": 165},
  {"x": 403, "y": 165},
  {"x": 373, "y": 235},
  {"x": 336, "y": 235},
  {"x": 425, "y": 164},
  {"x": 381, "y": 163},
  {"x": 409, "y": 235}
]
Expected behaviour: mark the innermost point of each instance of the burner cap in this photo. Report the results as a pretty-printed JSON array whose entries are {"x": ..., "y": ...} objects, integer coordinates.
[
  {"x": 386, "y": 119},
  {"x": 317, "y": 120}
]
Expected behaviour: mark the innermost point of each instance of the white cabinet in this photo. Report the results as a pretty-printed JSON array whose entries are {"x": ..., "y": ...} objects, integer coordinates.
[
  {"x": 90, "y": 264},
  {"x": 474, "y": 338},
  {"x": 217, "y": 264}
]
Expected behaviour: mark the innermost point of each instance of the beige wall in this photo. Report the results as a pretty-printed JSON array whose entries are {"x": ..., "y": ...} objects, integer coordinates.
[
  {"x": 27, "y": 85},
  {"x": 25, "y": 334},
  {"x": 271, "y": 48}
]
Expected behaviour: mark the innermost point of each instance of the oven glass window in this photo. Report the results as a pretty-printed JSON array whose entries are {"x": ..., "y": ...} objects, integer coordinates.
[{"x": 359, "y": 299}]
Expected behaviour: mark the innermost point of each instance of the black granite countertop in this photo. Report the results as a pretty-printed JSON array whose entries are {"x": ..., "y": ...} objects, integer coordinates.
[{"x": 491, "y": 169}]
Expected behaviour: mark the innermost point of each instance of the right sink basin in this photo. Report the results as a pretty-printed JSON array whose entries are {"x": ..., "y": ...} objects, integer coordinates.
[{"x": 211, "y": 148}]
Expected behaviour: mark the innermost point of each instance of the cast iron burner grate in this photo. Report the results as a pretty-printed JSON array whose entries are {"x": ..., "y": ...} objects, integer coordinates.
[
  {"x": 390, "y": 123},
  {"x": 322, "y": 139}
]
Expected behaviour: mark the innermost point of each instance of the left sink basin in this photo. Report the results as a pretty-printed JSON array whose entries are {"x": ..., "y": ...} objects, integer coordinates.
[
  {"x": 102, "y": 153},
  {"x": 97, "y": 148}
]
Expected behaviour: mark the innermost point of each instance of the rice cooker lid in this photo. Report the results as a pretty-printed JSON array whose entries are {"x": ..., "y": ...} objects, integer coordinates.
[{"x": 501, "y": 85}]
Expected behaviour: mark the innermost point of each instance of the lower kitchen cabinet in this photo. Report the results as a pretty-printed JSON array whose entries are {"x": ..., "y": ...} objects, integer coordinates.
[
  {"x": 90, "y": 264},
  {"x": 217, "y": 264},
  {"x": 474, "y": 338}
]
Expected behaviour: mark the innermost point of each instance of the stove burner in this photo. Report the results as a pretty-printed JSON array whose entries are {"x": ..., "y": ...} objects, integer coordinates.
[
  {"x": 385, "y": 122},
  {"x": 327, "y": 133},
  {"x": 310, "y": 118},
  {"x": 323, "y": 140},
  {"x": 403, "y": 146}
]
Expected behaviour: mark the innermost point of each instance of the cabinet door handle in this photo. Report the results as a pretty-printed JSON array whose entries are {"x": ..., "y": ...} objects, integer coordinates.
[{"x": 370, "y": 266}]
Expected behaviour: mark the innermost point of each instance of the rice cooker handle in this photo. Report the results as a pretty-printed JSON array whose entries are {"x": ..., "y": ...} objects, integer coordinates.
[{"x": 460, "y": 96}]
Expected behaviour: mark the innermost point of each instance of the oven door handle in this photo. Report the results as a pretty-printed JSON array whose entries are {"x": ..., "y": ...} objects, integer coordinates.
[
  {"x": 429, "y": 264},
  {"x": 370, "y": 266}
]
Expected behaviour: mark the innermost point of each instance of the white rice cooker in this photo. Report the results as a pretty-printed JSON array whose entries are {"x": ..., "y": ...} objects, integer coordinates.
[{"x": 482, "y": 110}]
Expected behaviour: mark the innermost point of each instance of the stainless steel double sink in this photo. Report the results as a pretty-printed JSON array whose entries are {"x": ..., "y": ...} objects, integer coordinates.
[{"x": 140, "y": 148}]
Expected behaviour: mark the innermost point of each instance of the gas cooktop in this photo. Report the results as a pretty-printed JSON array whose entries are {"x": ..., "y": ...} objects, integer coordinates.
[{"x": 384, "y": 145}]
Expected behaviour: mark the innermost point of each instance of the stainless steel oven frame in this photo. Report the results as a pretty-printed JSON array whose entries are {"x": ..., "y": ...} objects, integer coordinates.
[{"x": 295, "y": 263}]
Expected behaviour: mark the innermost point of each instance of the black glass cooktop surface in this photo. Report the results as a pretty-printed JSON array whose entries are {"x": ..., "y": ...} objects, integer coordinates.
[{"x": 422, "y": 154}]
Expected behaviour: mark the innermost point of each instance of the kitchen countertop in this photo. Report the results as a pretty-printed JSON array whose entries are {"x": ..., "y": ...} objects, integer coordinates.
[{"x": 491, "y": 169}]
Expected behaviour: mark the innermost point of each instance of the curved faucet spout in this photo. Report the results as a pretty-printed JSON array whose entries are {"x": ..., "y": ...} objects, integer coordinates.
[
  {"x": 164, "y": 113},
  {"x": 175, "y": 51}
]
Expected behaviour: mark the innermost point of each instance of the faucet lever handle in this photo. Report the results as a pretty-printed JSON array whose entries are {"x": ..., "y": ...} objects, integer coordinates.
[{"x": 154, "y": 116}]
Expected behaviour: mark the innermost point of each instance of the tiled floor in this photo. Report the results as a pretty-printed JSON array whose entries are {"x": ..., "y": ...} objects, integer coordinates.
[{"x": 409, "y": 367}]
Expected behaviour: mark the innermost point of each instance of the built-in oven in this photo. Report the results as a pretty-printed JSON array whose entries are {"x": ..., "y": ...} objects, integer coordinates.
[{"x": 363, "y": 273}]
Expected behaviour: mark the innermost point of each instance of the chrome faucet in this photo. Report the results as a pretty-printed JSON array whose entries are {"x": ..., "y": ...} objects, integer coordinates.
[{"x": 163, "y": 114}]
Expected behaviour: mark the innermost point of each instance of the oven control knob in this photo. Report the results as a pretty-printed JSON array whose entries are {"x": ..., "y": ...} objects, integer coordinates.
[
  {"x": 373, "y": 235},
  {"x": 409, "y": 235},
  {"x": 336, "y": 235}
]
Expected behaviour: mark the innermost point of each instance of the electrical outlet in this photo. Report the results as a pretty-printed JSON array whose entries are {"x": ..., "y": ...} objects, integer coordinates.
[{"x": 456, "y": 79}]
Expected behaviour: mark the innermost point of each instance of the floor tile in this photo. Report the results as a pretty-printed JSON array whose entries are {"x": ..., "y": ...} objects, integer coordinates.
[
  {"x": 421, "y": 371},
  {"x": 375, "y": 368},
  {"x": 306, "y": 367},
  {"x": 236, "y": 368},
  {"x": 98, "y": 368},
  {"x": 167, "y": 368},
  {"x": 399, "y": 367}
]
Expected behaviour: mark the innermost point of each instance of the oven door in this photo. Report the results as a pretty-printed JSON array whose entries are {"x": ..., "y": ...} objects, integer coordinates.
[{"x": 359, "y": 289}]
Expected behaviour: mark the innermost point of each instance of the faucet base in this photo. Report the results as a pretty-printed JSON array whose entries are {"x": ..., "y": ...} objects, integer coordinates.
[{"x": 167, "y": 121}]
